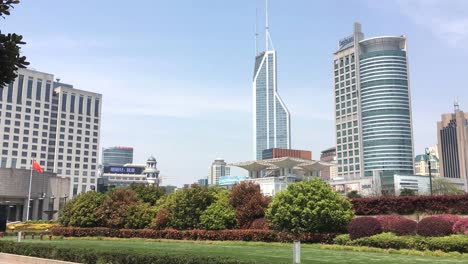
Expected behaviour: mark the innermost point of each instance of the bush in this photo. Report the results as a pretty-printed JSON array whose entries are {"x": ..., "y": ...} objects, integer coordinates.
[
  {"x": 364, "y": 227},
  {"x": 89, "y": 256},
  {"x": 195, "y": 234},
  {"x": 113, "y": 213},
  {"x": 353, "y": 194},
  {"x": 187, "y": 205},
  {"x": 219, "y": 215},
  {"x": 309, "y": 206},
  {"x": 452, "y": 219},
  {"x": 461, "y": 226},
  {"x": 260, "y": 223},
  {"x": 249, "y": 203},
  {"x": 397, "y": 224},
  {"x": 437, "y": 204},
  {"x": 434, "y": 226},
  {"x": 162, "y": 219},
  {"x": 147, "y": 193},
  {"x": 81, "y": 210},
  {"x": 139, "y": 216}
]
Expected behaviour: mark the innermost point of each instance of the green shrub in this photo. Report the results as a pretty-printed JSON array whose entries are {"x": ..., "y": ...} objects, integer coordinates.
[
  {"x": 89, "y": 256},
  {"x": 343, "y": 240},
  {"x": 309, "y": 206},
  {"x": 219, "y": 215},
  {"x": 139, "y": 216},
  {"x": 81, "y": 210}
]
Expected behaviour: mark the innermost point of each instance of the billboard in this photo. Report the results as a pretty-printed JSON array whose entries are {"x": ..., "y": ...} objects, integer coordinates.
[
  {"x": 230, "y": 180},
  {"x": 123, "y": 170}
]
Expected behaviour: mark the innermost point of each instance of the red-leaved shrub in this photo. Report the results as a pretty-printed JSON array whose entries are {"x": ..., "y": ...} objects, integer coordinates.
[
  {"x": 195, "y": 234},
  {"x": 434, "y": 226},
  {"x": 452, "y": 219},
  {"x": 397, "y": 224},
  {"x": 461, "y": 226},
  {"x": 364, "y": 227},
  {"x": 260, "y": 223},
  {"x": 249, "y": 203},
  {"x": 162, "y": 218},
  {"x": 436, "y": 204}
]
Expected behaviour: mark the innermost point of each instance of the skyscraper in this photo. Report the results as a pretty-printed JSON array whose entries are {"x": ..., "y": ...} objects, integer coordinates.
[
  {"x": 272, "y": 125},
  {"x": 217, "y": 169},
  {"x": 117, "y": 156},
  {"x": 452, "y": 134},
  {"x": 53, "y": 123},
  {"x": 372, "y": 106}
]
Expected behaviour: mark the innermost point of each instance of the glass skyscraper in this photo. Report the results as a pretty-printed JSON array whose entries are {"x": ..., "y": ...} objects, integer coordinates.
[
  {"x": 372, "y": 106},
  {"x": 272, "y": 127},
  {"x": 117, "y": 156}
]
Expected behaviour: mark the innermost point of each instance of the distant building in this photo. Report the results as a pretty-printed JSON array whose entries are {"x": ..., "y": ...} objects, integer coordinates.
[
  {"x": 203, "y": 182},
  {"x": 169, "y": 188},
  {"x": 329, "y": 155},
  {"x": 421, "y": 166},
  {"x": 123, "y": 176},
  {"x": 452, "y": 133},
  {"x": 280, "y": 153},
  {"x": 229, "y": 181},
  {"x": 117, "y": 156},
  {"x": 372, "y": 106},
  {"x": 217, "y": 169}
]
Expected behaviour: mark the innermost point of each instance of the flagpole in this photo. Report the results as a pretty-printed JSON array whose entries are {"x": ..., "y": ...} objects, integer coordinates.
[{"x": 29, "y": 193}]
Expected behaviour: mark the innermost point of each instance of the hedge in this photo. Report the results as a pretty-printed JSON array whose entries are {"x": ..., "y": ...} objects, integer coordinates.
[
  {"x": 437, "y": 204},
  {"x": 434, "y": 226},
  {"x": 89, "y": 256},
  {"x": 231, "y": 234},
  {"x": 453, "y": 243},
  {"x": 364, "y": 227}
]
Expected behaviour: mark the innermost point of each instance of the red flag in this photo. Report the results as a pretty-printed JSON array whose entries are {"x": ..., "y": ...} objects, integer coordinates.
[{"x": 37, "y": 167}]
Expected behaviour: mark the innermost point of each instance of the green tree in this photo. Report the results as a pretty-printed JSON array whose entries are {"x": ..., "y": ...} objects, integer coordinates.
[
  {"x": 249, "y": 203},
  {"x": 220, "y": 214},
  {"x": 113, "y": 212},
  {"x": 147, "y": 194},
  {"x": 309, "y": 206},
  {"x": 187, "y": 205},
  {"x": 444, "y": 186},
  {"x": 81, "y": 210},
  {"x": 139, "y": 216},
  {"x": 353, "y": 194},
  {"x": 407, "y": 192},
  {"x": 10, "y": 57}
]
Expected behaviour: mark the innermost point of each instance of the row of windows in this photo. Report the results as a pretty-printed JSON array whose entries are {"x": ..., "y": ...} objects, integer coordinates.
[
  {"x": 29, "y": 90},
  {"x": 345, "y": 69},
  {"x": 344, "y": 61},
  {"x": 350, "y": 153},
  {"x": 366, "y": 55},
  {"x": 80, "y": 109},
  {"x": 351, "y": 168},
  {"x": 28, "y": 109}
]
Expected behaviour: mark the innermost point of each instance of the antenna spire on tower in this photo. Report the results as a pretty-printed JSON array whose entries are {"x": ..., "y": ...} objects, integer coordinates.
[
  {"x": 267, "y": 33},
  {"x": 456, "y": 105}
]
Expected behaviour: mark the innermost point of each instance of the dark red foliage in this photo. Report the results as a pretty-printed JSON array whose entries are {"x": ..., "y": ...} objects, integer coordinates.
[
  {"x": 397, "y": 224},
  {"x": 260, "y": 224},
  {"x": 434, "y": 226},
  {"x": 364, "y": 227},
  {"x": 195, "y": 234},
  {"x": 249, "y": 203},
  {"x": 452, "y": 219},
  {"x": 113, "y": 211},
  {"x": 437, "y": 204},
  {"x": 162, "y": 218},
  {"x": 461, "y": 226}
]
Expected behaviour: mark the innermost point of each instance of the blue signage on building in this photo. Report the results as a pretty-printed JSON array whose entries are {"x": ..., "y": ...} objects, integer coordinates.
[
  {"x": 230, "y": 180},
  {"x": 344, "y": 42},
  {"x": 123, "y": 170}
]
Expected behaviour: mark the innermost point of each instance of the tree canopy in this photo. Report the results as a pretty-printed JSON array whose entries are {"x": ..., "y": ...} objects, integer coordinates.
[{"x": 10, "y": 50}]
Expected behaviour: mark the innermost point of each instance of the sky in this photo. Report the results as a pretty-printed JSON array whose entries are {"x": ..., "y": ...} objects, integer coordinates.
[{"x": 176, "y": 75}]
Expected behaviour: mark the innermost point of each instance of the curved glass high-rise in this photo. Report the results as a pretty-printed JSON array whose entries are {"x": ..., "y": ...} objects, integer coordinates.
[
  {"x": 385, "y": 106},
  {"x": 271, "y": 117},
  {"x": 372, "y": 107}
]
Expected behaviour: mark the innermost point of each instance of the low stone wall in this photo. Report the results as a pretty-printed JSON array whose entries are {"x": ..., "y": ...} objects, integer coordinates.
[{"x": 17, "y": 259}]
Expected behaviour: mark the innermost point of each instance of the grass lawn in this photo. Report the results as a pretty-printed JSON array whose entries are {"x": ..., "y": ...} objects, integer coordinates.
[{"x": 251, "y": 251}]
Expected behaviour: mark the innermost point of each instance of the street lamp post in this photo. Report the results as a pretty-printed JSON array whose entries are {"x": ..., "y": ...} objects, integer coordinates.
[{"x": 428, "y": 160}]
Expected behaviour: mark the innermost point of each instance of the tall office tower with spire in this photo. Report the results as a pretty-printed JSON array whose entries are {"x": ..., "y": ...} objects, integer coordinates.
[
  {"x": 452, "y": 135},
  {"x": 271, "y": 118},
  {"x": 372, "y": 106}
]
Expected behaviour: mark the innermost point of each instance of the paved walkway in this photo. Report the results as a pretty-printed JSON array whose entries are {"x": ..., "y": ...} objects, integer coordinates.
[{"x": 16, "y": 259}]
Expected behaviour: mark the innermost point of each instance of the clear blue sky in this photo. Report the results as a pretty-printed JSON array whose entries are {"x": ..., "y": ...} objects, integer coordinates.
[{"x": 176, "y": 75}]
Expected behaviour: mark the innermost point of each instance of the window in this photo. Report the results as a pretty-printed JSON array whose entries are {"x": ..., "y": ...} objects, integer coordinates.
[
  {"x": 64, "y": 102},
  {"x": 47, "y": 95},
  {"x": 10, "y": 93},
  {"x": 88, "y": 107},
  {"x": 30, "y": 86},
  {"x": 96, "y": 108},
  {"x": 72, "y": 103},
  {"x": 20, "y": 90},
  {"x": 80, "y": 105}
]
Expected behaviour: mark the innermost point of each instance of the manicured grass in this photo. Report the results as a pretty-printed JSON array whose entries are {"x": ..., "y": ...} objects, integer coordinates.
[{"x": 252, "y": 251}]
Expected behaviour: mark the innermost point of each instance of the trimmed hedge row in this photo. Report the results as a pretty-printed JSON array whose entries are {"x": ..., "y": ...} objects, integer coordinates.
[
  {"x": 437, "y": 204},
  {"x": 234, "y": 234},
  {"x": 89, "y": 256},
  {"x": 458, "y": 243}
]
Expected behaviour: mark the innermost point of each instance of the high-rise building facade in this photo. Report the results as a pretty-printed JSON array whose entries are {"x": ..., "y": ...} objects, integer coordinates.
[
  {"x": 372, "y": 106},
  {"x": 53, "y": 123},
  {"x": 217, "y": 169},
  {"x": 117, "y": 156},
  {"x": 272, "y": 124},
  {"x": 329, "y": 155},
  {"x": 274, "y": 153},
  {"x": 452, "y": 133}
]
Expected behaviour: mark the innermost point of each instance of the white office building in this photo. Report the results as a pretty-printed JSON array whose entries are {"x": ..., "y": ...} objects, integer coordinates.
[
  {"x": 217, "y": 169},
  {"x": 55, "y": 124}
]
